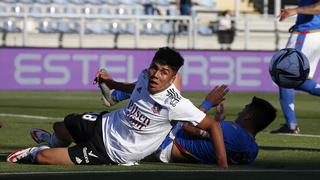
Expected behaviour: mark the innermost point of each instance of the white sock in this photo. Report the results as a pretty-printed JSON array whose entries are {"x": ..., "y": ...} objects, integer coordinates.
[{"x": 37, "y": 149}]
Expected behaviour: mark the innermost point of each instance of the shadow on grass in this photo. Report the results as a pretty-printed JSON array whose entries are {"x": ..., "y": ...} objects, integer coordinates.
[
  {"x": 3, "y": 156},
  {"x": 168, "y": 175},
  {"x": 7, "y": 147},
  {"x": 277, "y": 148}
]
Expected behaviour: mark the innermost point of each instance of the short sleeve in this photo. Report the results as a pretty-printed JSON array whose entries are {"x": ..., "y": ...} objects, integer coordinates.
[{"x": 184, "y": 110}]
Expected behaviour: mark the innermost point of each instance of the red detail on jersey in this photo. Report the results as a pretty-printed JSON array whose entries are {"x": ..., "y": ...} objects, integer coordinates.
[
  {"x": 185, "y": 152},
  {"x": 304, "y": 32},
  {"x": 299, "y": 42},
  {"x": 156, "y": 108}
]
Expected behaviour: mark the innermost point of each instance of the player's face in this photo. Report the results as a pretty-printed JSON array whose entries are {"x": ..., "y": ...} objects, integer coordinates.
[
  {"x": 160, "y": 77},
  {"x": 244, "y": 114}
]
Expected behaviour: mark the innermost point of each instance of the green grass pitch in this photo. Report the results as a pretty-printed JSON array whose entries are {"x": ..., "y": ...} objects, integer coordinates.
[{"x": 278, "y": 152}]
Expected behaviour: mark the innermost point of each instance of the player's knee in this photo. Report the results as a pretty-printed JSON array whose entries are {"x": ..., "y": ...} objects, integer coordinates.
[
  {"x": 58, "y": 126},
  {"x": 61, "y": 131}
]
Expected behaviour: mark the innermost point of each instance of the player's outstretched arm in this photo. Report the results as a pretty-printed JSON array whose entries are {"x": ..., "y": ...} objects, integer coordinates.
[
  {"x": 214, "y": 129},
  {"x": 311, "y": 9},
  {"x": 103, "y": 76},
  {"x": 214, "y": 97}
]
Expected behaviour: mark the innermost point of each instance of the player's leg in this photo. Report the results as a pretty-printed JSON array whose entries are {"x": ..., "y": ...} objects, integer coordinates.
[
  {"x": 311, "y": 49},
  {"x": 311, "y": 87},
  {"x": 79, "y": 154},
  {"x": 58, "y": 156},
  {"x": 73, "y": 125},
  {"x": 111, "y": 96},
  {"x": 286, "y": 96},
  {"x": 60, "y": 138},
  {"x": 82, "y": 154},
  {"x": 40, "y": 156},
  {"x": 61, "y": 132},
  {"x": 27, "y": 155},
  {"x": 86, "y": 130},
  {"x": 119, "y": 96}
]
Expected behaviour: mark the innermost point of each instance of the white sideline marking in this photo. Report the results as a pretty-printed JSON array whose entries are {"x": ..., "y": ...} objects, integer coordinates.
[
  {"x": 29, "y": 116},
  {"x": 82, "y": 98},
  {"x": 299, "y": 135},
  {"x": 60, "y": 118},
  {"x": 176, "y": 170}
]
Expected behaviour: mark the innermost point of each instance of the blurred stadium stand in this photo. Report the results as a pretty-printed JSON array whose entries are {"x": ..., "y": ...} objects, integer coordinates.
[
  {"x": 133, "y": 24},
  {"x": 259, "y": 5}
]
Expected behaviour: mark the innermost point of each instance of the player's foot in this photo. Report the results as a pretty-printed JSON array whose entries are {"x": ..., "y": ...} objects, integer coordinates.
[
  {"x": 284, "y": 129},
  {"x": 40, "y": 135},
  {"x": 107, "y": 97},
  {"x": 21, "y": 156}
]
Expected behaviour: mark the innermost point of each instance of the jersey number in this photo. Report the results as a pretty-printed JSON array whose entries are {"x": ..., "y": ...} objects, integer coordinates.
[{"x": 90, "y": 117}]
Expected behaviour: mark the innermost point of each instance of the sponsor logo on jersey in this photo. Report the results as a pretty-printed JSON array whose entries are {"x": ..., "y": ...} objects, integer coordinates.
[
  {"x": 156, "y": 108},
  {"x": 85, "y": 154},
  {"x": 78, "y": 160},
  {"x": 93, "y": 155},
  {"x": 172, "y": 97},
  {"x": 135, "y": 117}
]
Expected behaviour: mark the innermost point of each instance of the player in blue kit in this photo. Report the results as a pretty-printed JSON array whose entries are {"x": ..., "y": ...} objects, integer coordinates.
[
  {"x": 305, "y": 35},
  {"x": 187, "y": 143}
]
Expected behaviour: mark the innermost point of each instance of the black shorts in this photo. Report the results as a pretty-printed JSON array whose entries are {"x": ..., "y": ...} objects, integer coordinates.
[{"x": 86, "y": 130}]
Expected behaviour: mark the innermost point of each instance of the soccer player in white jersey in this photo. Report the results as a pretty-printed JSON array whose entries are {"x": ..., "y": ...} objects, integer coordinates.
[
  {"x": 186, "y": 143},
  {"x": 305, "y": 35},
  {"x": 127, "y": 135}
]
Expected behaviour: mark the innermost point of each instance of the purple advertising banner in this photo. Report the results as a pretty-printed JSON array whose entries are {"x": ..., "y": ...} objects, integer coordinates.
[{"x": 74, "y": 69}]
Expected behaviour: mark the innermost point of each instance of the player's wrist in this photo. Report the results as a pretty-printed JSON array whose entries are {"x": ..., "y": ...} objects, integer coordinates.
[{"x": 207, "y": 105}]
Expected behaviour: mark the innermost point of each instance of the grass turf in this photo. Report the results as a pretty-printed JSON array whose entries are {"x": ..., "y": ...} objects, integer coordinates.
[{"x": 277, "y": 152}]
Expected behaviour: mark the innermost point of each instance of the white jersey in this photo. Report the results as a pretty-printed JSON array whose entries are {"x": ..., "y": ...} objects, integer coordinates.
[
  {"x": 137, "y": 130},
  {"x": 310, "y": 48}
]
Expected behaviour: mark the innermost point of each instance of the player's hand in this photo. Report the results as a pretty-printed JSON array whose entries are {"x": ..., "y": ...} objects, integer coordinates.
[
  {"x": 101, "y": 76},
  {"x": 220, "y": 113},
  {"x": 285, "y": 13},
  {"x": 217, "y": 95},
  {"x": 223, "y": 166}
]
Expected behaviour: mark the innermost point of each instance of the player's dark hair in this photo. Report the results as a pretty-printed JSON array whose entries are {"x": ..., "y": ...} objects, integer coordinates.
[
  {"x": 263, "y": 113},
  {"x": 170, "y": 57}
]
